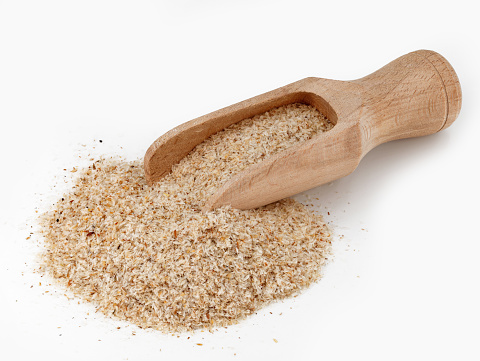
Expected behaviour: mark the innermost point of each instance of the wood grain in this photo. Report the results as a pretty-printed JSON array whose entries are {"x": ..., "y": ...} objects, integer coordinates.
[{"x": 415, "y": 95}]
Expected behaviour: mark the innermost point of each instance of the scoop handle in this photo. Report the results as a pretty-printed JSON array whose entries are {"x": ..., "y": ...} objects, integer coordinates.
[{"x": 415, "y": 95}]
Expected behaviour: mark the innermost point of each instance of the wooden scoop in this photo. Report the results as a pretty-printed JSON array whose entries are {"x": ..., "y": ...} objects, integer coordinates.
[{"x": 414, "y": 95}]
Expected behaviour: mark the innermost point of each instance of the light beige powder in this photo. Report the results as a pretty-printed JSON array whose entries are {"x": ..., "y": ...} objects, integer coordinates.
[{"x": 148, "y": 255}]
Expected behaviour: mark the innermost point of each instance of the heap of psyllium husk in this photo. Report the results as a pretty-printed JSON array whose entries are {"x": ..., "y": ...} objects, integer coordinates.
[{"x": 150, "y": 256}]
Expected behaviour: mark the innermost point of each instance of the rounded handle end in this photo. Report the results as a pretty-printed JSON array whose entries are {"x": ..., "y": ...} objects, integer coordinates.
[{"x": 451, "y": 84}]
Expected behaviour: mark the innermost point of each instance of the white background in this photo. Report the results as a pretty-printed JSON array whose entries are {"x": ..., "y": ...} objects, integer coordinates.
[{"x": 404, "y": 282}]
